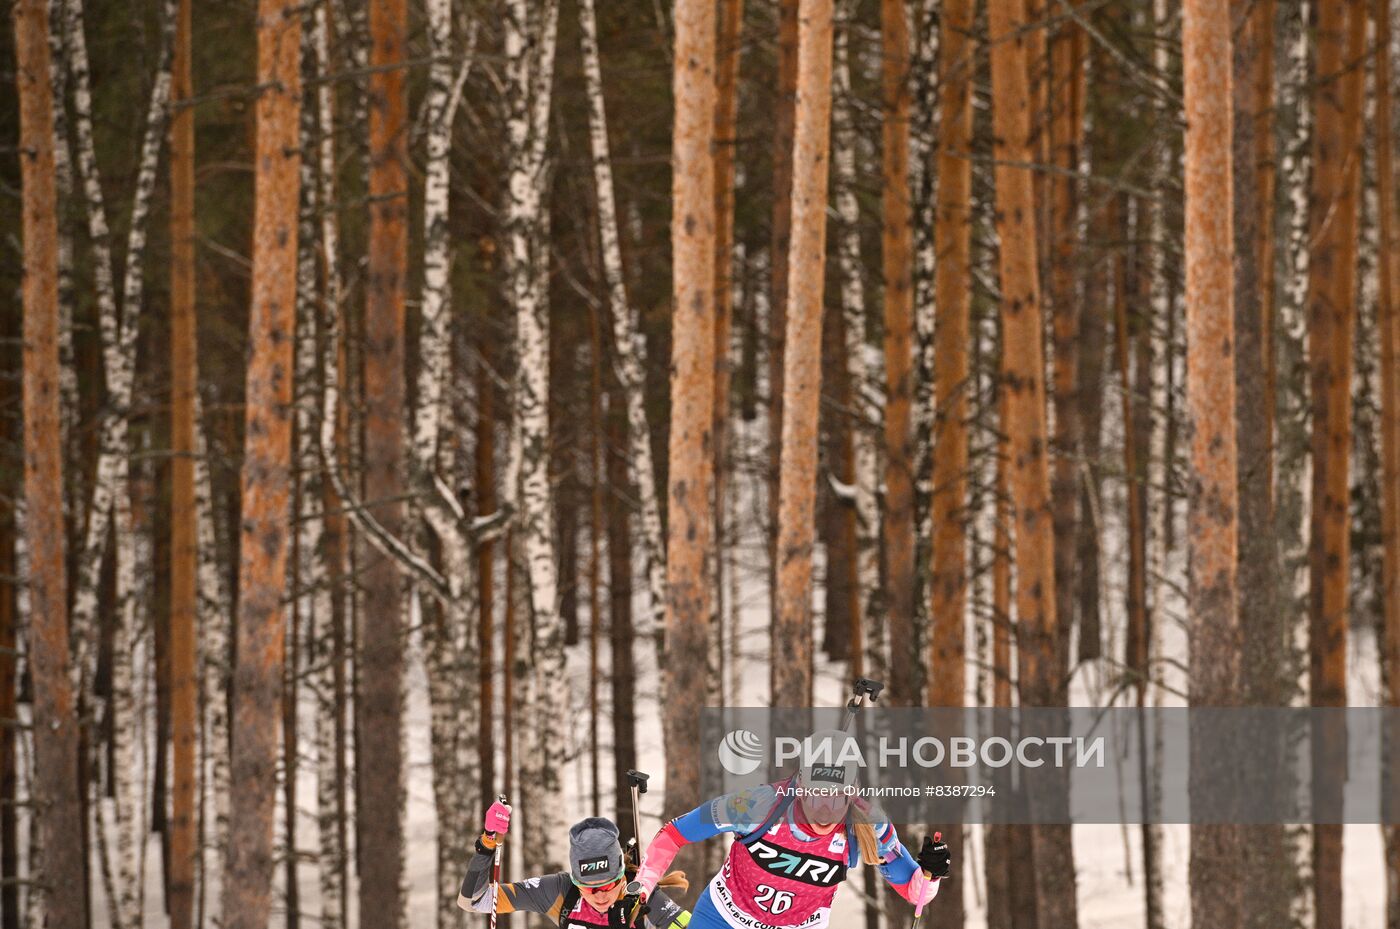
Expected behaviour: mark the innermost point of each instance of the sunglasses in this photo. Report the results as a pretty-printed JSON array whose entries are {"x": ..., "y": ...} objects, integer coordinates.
[{"x": 599, "y": 888}]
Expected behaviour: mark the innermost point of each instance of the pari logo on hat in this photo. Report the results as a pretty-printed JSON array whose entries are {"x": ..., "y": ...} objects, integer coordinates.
[{"x": 595, "y": 867}]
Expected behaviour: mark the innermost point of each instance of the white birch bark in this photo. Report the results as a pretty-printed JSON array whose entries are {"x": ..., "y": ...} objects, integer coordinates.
[
  {"x": 866, "y": 424},
  {"x": 452, "y": 674},
  {"x": 628, "y": 339},
  {"x": 215, "y": 610},
  {"x": 63, "y": 183},
  {"x": 1293, "y": 470},
  {"x": 111, "y": 494},
  {"x": 923, "y": 183},
  {"x": 530, "y": 92},
  {"x": 331, "y": 855}
]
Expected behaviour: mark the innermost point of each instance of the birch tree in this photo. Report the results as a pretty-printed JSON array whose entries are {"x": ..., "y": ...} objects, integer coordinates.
[
  {"x": 452, "y": 677},
  {"x": 55, "y": 796},
  {"x": 184, "y": 536},
  {"x": 266, "y": 478},
  {"x": 530, "y": 75},
  {"x": 1388, "y": 325},
  {"x": 330, "y": 683},
  {"x": 629, "y": 343},
  {"x": 121, "y": 835}
]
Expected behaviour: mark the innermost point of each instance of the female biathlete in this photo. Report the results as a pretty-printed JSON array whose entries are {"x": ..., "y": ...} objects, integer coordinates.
[
  {"x": 590, "y": 893},
  {"x": 795, "y": 841}
]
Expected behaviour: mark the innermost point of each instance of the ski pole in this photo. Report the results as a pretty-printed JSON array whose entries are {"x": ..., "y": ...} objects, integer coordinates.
[
  {"x": 496, "y": 868},
  {"x": 919, "y": 910},
  {"x": 638, "y": 782},
  {"x": 863, "y": 687}
]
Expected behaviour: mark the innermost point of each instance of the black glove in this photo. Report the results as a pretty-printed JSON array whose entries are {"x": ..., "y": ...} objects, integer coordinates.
[
  {"x": 628, "y": 913},
  {"x": 934, "y": 857}
]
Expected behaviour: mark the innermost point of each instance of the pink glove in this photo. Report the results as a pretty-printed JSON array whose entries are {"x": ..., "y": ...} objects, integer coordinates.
[
  {"x": 498, "y": 818},
  {"x": 921, "y": 889}
]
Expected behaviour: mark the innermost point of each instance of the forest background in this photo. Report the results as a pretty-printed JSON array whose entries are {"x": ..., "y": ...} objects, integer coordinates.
[{"x": 405, "y": 402}]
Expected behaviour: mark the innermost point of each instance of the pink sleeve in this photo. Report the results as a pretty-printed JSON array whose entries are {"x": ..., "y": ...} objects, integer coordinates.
[{"x": 660, "y": 853}]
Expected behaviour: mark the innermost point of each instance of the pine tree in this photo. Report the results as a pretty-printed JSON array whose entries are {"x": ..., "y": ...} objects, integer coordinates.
[
  {"x": 792, "y": 625},
  {"x": 55, "y": 795},
  {"x": 690, "y": 510},
  {"x": 266, "y": 479},
  {"x": 1210, "y": 401}
]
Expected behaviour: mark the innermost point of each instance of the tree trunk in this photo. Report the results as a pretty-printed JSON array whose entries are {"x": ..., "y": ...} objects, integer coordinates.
[
  {"x": 380, "y": 701},
  {"x": 792, "y": 625},
  {"x": 123, "y": 839},
  {"x": 1389, "y": 334},
  {"x": 1003, "y": 841},
  {"x": 1023, "y": 367},
  {"x": 528, "y": 479},
  {"x": 184, "y": 540},
  {"x": 1331, "y": 314},
  {"x": 56, "y": 743},
  {"x": 867, "y": 630},
  {"x": 595, "y": 539},
  {"x": 486, "y": 566},
  {"x": 896, "y": 237},
  {"x": 1210, "y": 401},
  {"x": 836, "y": 514},
  {"x": 784, "y": 116},
  {"x": 266, "y": 479},
  {"x": 12, "y": 434},
  {"x": 687, "y": 666},
  {"x": 1264, "y": 861},
  {"x": 620, "y": 634},
  {"x": 332, "y": 858},
  {"x": 947, "y": 656},
  {"x": 731, "y": 25},
  {"x": 1135, "y": 596},
  {"x": 629, "y": 344},
  {"x": 452, "y": 675},
  {"x": 1066, "y": 89}
]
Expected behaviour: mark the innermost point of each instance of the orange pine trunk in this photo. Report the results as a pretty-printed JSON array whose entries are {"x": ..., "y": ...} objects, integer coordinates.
[
  {"x": 780, "y": 244},
  {"x": 898, "y": 268},
  {"x": 55, "y": 742},
  {"x": 690, "y": 508},
  {"x": 1331, "y": 314},
  {"x": 1023, "y": 374},
  {"x": 953, "y": 296},
  {"x": 792, "y": 625},
  {"x": 266, "y": 479},
  {"x": 1210, "y": 402}
]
